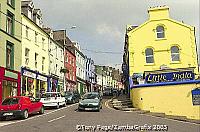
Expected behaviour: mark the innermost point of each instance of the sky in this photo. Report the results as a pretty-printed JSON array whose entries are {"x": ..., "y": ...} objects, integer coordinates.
[{"x": 100, "y": 24}]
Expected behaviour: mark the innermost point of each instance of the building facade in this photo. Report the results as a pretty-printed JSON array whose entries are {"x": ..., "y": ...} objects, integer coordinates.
[
  {"x": 161, "y": 37},
  {"x": 80, "y": 69},
  {"x": 69, "y": 60},
  {"x": 10, "y": 48},
  {"x": 35, "y": 54},
  {"x": 56, "y": 64},
  {"x": 90, "y": 75}
]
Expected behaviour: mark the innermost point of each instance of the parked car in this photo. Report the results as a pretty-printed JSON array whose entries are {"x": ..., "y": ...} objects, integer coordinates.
[
  {"x": 53, "y": 99},
  {"x": 20, "y": 106},
  {"x": 90, "y": 101},
  {"x": 71, "y": 97},
  {"x": 107, "y": 91}
]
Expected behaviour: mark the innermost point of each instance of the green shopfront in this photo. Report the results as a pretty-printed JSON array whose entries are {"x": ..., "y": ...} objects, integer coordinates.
[{"x": 9, "y": 83}]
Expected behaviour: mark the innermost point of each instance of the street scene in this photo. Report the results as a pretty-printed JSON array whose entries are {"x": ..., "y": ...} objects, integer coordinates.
[{"x": 82, "y": 65}]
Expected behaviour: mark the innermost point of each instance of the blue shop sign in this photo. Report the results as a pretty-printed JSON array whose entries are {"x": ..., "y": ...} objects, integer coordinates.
[
  {"x": 169, "y": 77},
  {"x": 196, "y": 96}
]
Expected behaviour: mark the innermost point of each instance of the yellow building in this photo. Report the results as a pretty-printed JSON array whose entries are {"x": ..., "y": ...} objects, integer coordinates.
[
  {"x": 162, "y": 58},
  {"x": 35, "y": 56},
  {"x": 161, "y": 42}
]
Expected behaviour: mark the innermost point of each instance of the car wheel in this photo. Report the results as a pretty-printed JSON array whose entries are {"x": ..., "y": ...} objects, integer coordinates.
[
  {"x": 58, "y": 106},
  {"x": 73, "y": 101},
  {"x": 41, "y": 110},
  {"x": 2, "y": 118},
  {"x": 25, "y": 114}
]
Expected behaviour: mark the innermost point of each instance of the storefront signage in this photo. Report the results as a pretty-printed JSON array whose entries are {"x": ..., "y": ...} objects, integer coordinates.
[
  {"x": 196, "y": 96},
  {"x": 42, "y": 78},
  {"x": 11, "y": 74},
  {"x": 29, "y": 74},
  {"x": 169, "y": 77}
]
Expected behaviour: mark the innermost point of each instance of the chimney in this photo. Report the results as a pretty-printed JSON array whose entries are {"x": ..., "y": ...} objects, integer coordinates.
[{"x": 158, "y": 12}]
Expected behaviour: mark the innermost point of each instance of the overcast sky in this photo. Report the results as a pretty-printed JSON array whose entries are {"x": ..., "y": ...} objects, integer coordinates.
[{"x": 101, "y": 23}]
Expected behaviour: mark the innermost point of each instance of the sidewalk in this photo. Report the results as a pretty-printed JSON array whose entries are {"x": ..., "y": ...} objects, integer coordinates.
[{"x": 124, "y": 103}]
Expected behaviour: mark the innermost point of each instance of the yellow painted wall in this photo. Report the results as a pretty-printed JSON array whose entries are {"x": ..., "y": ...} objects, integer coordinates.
[
  {"x": 176, "y": 33},
  {"x": 170, "y": 99}
]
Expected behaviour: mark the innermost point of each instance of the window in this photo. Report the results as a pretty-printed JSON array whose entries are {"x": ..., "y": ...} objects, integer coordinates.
[
  {"x": 43, "y": 60},
  {"x": 149, "y": 55},
  {"x": 43, "y": 43},
  {"x": 36, "y": 36},
  {"x": 9, "y": 55},
  {"x": 11, "y": 2},
  {"x": 27, "y": 31},
  {"x": 26, "y": 56},
  {"x": 160, "y": 31},
  {"x": 66, "y": 58},
  {"x": 10, "y": 23},
  {"x": 36, "y": 57},
  {"x": 175, "y": 56},
  {"x": 56, "y": 52}
]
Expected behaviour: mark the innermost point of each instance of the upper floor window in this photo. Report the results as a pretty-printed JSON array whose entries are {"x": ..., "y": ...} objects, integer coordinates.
[
  {"x": 36, "y": 36},
  {"x": 43, "y": 61},
  {"x": 27, "y": 31},
  {"x": 160, "y": 31},
  {"x": 36, "y": 60},
  {"x": 149, "y": 55},
  {"x": 9, "y": 55},
  {"x": 43, "y": 40},
  {"x": 27, "y": 56},
  {"x": 175, "y": 56},
  {"x": 10, "y": 23},
  {"x": 11, "y": 2}
]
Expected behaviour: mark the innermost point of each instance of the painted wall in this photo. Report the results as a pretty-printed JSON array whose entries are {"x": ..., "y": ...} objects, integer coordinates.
[
  {"x": 40, "y": 47},
  {"x": 15, "y": 39},
  {"x": 176, "y": 34},
  {"x": 173, "y": 99}
]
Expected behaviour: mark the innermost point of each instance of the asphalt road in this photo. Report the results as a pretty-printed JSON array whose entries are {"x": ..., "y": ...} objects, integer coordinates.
[{"x": 68, "y": 119}]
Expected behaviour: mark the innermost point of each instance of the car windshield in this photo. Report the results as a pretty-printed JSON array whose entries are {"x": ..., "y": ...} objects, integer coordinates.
[
  {"x": 91, "y": 96},
  {"x": 10, "y": 101},
  {"x": 67, "y": 94},
  {"x": 47, "y": 95}
]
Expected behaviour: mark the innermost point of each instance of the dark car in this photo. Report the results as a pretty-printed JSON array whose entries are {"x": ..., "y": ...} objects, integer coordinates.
[
  {"x": 20, "y": 106},
  {"x": 71, "y": 97},
  {"x": 107, "y": 92},
  {"x": 90, "y": 101}
]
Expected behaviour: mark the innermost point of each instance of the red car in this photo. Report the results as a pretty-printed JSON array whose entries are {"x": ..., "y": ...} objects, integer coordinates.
[{"x": 20, "y": 106}]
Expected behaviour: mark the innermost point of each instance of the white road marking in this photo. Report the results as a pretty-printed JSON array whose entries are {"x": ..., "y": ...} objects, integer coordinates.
[
  {"x": 56, "y": 119},
  {"x": 9, "y": 123}
]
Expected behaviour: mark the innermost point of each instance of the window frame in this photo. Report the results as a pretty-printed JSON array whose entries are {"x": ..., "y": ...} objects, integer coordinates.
[
  {"x": 148, "y": 56},
  {"x": 11, "y": 57},
  {"x": 13, "y": 23},
  {"x": 27, "y": 56},
  {"x": 11, "y": 3},
  {"x": 175, "y": 54},
  {"x": 160, "y": 32}
]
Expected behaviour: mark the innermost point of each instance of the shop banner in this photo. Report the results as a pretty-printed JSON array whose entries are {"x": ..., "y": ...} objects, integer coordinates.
[
  {"x": 29, "y": 74},
  {"x": 42, "y": 78},
  {"x": 170, "y": 77}
]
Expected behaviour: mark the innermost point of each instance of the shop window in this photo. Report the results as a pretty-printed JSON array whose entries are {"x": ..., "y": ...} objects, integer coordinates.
[
  {"x": 149, "y": 55},
  {"x": 175, "y": 55},
  {"x": 9, "y": 89},
  {"x": 26, "y": 56},
  {"x": 9, "y": 55},
  {"x": 10, "y": 23},
  {"x": 160, "y": 31}
]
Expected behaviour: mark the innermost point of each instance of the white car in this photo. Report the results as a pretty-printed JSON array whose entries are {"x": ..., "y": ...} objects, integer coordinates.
[{"x": 53, "y": 99}]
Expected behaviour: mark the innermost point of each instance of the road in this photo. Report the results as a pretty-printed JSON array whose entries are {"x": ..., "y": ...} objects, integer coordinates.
[{"x": 68, "y": 119}]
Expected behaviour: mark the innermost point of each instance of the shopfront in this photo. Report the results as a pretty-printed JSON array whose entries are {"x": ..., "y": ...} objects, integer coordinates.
[
  {"x": 33, "y": 83},
  {"x": 9, "y": 83}
]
